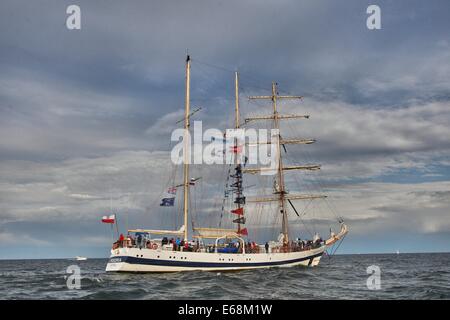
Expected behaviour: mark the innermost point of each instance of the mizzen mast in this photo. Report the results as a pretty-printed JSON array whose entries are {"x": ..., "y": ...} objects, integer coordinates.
[{"x": 186, "y": 152}]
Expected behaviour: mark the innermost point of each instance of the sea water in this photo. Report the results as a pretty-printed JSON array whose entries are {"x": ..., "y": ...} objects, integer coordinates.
[{"x": 402, "y": 276}]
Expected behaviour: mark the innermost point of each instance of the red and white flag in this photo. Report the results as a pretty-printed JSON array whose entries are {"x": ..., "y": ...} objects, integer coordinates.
[
  {"x": 109, "y": 219},
  {"x": 172, "y": 190}
]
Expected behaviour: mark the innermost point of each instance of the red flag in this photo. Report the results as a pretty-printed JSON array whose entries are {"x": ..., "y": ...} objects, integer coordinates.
[
  {"x": 109, "y": 219},
  {"x": 239, "y": 211},
  {"x": 243, "y": 232},
  {"x": 236, "y": 149}
]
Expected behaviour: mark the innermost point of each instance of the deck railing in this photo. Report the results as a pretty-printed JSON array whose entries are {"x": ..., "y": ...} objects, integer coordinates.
[{"x": 249, "y": 248}]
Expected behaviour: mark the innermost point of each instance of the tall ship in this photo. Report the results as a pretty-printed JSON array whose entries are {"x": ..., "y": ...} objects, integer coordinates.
[{"x": 192, "y": 246}]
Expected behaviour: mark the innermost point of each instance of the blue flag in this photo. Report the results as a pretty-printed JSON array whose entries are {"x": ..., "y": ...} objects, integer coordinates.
[{"x": 167, "y": 202}]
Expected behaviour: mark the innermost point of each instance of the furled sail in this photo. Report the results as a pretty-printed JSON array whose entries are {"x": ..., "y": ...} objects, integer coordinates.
[
  {"x": 213, "y": 233},
  {"x": 153, "y": 231}
]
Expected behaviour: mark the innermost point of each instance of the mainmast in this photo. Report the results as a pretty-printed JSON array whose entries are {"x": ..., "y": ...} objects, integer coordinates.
[
  {"x": 186, "y": 152},
  {"x": 238, "y": 169},
  {"x": 236, "y": 97},
  {"x": 281, "y": 195}
]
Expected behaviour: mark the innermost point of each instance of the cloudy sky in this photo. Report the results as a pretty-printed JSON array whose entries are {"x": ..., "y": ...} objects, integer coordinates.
[{"x": 86, "y": 115}]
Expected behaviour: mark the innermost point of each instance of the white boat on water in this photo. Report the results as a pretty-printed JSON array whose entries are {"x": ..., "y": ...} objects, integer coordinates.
[
  {"x": 227, "y": 249},
  {"x": 78, "y": 258}
]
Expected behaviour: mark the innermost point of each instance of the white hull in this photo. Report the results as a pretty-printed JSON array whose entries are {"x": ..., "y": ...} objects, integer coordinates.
[{"x": 147, "y": 260}]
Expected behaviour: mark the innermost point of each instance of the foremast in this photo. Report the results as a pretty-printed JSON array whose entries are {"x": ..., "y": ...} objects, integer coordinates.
[
  {"x": 281, "y": 190},
  {"x": 281, "y": 195}
]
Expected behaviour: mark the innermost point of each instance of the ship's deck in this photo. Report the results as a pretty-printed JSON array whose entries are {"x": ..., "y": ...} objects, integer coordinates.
[{"x": 229, "y": 248}]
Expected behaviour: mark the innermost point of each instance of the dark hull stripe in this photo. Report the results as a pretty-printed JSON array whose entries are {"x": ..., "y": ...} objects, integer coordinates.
[{"x": 194, "y": 264}]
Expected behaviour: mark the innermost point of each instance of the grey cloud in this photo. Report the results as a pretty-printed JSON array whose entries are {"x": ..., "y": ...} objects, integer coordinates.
[{"x": 86, "y": 115}]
